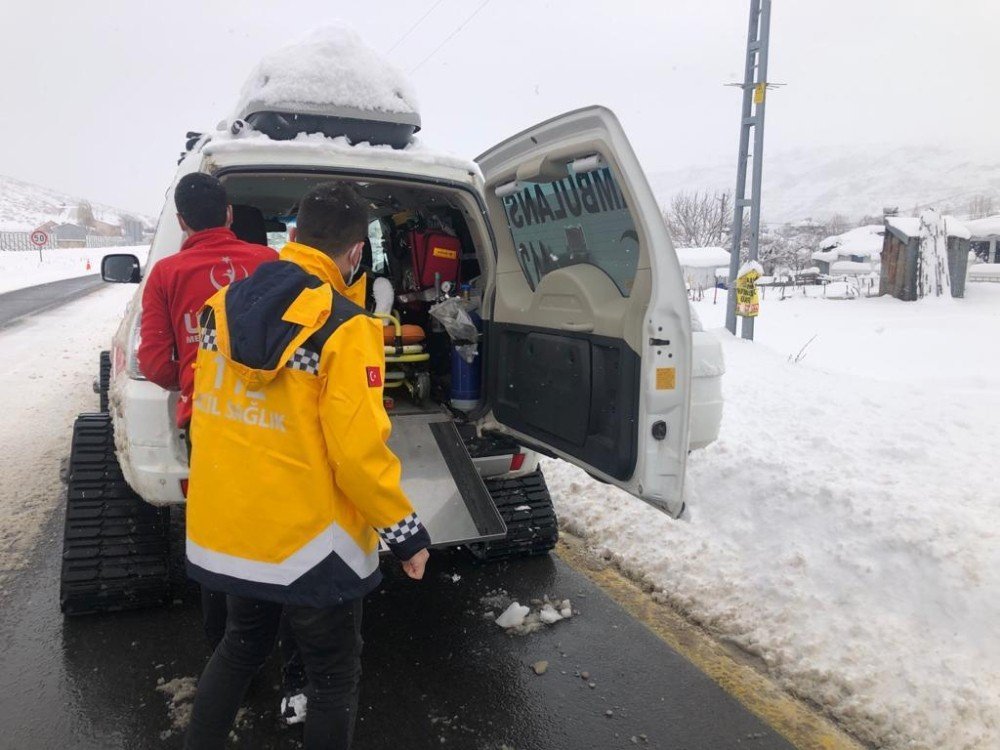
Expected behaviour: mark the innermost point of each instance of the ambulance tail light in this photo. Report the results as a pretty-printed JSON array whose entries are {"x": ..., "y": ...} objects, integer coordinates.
[
  {"x": 516, "y": 461},
  {"x": 184, "y": 487},
  {"x": 132, "y": 350}
]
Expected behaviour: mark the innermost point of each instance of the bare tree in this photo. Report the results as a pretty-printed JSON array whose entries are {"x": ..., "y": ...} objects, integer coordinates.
[
  {"x": 700, "y": 219},
  {"x": 981, "y": 206},
  {"x": 838, "y": 224}
]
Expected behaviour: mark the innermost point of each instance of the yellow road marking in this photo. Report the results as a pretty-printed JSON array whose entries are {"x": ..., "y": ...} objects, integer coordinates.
[{"x": 793, "y": 719}]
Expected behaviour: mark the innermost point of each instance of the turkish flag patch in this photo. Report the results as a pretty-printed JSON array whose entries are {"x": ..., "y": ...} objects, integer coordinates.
[{"x": 374, "y": 377}]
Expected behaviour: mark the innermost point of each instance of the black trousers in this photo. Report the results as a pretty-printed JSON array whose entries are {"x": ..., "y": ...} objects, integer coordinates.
[
  {"x": 213, "y": 619},
  {"x": 213, "y": 603},
  {"x": 329, "y": 640}
]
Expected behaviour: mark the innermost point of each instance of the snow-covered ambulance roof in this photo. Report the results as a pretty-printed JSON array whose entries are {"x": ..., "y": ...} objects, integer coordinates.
[{"x": 315, "y": 150}]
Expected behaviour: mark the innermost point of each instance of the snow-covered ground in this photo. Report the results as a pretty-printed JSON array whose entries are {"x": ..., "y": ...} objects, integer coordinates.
[
  {"x": 47, "y": 367},
  {"x": 845, "y": 527},
  {"x": 24, "y": 268}
]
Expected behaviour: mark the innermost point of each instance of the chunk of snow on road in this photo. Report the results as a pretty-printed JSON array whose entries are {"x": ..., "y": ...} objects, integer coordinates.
[
  {"x": 181, "y": 692},
  {"x": 513, "y": 616},
  {"x": 549, "y": 615}
]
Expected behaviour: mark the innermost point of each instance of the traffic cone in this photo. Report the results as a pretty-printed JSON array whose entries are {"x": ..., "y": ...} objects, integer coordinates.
[{"x": 88, "y": 264}]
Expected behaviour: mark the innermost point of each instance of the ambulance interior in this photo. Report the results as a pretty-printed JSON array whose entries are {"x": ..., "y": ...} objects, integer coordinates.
[
  {"x": 424, "y": 251},
  {"x": 420, "y": 255}
]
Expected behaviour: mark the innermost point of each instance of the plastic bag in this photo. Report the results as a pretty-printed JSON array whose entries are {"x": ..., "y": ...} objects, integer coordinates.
[{"x": 451, "y": 314}]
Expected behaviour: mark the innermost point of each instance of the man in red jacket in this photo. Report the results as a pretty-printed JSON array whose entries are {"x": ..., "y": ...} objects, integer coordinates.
[
  {"x": 210, "y": 258},
  {"x": 176, "y": 289}
]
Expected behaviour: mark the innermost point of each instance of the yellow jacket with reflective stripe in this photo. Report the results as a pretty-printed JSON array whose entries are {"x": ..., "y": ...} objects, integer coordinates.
[{"x": 291, "y": 479}]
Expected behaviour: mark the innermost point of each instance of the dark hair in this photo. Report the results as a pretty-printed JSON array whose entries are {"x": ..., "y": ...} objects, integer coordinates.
[
  {"x": 201, "y": 201},
  {"x": 332, "y": 217}
]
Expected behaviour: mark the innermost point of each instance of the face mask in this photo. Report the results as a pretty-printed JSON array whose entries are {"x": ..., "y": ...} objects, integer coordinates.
[{"x": 354, "y": 271}]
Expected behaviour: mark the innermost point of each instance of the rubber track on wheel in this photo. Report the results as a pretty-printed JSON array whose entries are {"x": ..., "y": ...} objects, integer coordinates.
[
  {"x": 104, "y": 379},
  {"x": 115, "y": 547},
  {"x": 526, "y": 507}
]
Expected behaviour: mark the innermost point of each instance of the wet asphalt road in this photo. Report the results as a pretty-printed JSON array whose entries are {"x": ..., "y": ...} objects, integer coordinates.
[
  {"x": 437, "y": 673},
  {"x": 22, "y": 302}
]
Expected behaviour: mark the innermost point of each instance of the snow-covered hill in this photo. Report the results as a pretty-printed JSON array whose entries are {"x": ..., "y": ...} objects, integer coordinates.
[
  {"x": 24, "y": 206},
  {"x": 855, "y": 182}
]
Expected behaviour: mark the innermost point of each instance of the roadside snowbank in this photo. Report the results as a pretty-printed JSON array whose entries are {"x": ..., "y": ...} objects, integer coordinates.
[
  {"x": 845, "y": 527},
  {"x": 46, "y": 372},
  {"x": 24, "y": 268}
]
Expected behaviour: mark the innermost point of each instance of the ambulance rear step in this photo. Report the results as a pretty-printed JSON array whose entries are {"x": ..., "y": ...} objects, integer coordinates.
[{"x": 442, "y": 482}]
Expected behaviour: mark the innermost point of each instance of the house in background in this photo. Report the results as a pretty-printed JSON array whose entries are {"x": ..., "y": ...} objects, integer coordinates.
[
  {"x": 70, "y": 235},
  {"x": 984, "y": 238},
  {"x": 984, "y": 241},
  {"x": 699, "y": 264},
  {"x": 65, "y": 233},
  {"x": 856, "y": 252}
]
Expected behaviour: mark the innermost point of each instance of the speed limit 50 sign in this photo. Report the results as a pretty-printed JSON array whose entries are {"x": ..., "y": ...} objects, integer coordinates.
[{"x": 39, "y": 238}]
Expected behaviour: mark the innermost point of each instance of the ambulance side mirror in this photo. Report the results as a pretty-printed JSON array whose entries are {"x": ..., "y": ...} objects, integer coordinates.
[{"x": 121, "y": 268}]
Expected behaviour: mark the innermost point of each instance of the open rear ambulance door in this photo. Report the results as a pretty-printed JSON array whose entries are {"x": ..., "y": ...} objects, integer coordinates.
[{"x": 589, "y": 329}]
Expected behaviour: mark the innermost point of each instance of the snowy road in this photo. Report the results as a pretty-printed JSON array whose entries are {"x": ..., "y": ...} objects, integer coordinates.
[
  {"x": 47, "y": 366},
  {"x": 35, "y": 299},
  {"x": 436, "y": 669}
]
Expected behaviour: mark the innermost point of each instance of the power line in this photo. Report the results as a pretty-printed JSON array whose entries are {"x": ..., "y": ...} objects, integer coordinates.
[
  {"x": 414, "y": 27},
  {"x": 450, "y": 36}
]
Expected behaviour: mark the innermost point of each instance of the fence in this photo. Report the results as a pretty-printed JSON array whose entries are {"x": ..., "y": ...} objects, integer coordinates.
[
  {"x": 22, "y": 241},
  {"x": 94, "y": 240}
]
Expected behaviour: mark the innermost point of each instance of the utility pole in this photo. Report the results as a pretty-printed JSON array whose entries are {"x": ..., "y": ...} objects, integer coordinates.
[{"x": 751, "y": 117}]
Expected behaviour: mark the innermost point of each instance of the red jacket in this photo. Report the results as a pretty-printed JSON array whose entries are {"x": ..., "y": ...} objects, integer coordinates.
[{"x": 176, "y": 290}]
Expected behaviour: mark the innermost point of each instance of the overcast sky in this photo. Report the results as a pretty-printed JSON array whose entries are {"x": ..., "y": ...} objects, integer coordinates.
[{"x": 97, "y": 96}]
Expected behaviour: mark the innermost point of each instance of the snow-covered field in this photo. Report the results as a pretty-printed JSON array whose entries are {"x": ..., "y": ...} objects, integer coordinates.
[
  {"x": 845, "y": 527},
  {"x": 24, "y": 268},
  {"x": 47, "y": 367}
]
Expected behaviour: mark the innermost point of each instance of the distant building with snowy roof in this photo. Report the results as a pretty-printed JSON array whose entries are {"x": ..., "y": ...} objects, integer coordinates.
[
  {"x": 856, "y": 252},
  {"x": 984, "y": 238},
  {"x": 699, "y": 264}
]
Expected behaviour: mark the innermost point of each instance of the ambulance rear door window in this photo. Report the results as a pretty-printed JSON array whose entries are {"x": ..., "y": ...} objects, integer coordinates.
[{"x": 581, "y": 218}]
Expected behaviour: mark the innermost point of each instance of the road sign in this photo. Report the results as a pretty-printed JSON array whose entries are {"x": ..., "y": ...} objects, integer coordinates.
[{"x": 39, "y": 238}]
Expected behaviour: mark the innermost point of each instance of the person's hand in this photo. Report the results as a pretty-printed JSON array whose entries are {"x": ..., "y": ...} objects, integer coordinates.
[{"x": 414, "y": 567}]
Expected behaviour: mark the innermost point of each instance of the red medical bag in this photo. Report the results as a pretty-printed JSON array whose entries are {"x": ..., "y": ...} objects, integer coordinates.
[{"x": 435, "y": 253}]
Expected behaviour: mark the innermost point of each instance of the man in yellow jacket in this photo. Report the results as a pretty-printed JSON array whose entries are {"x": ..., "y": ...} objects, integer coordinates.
[{"x": 292, "y": 483}]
